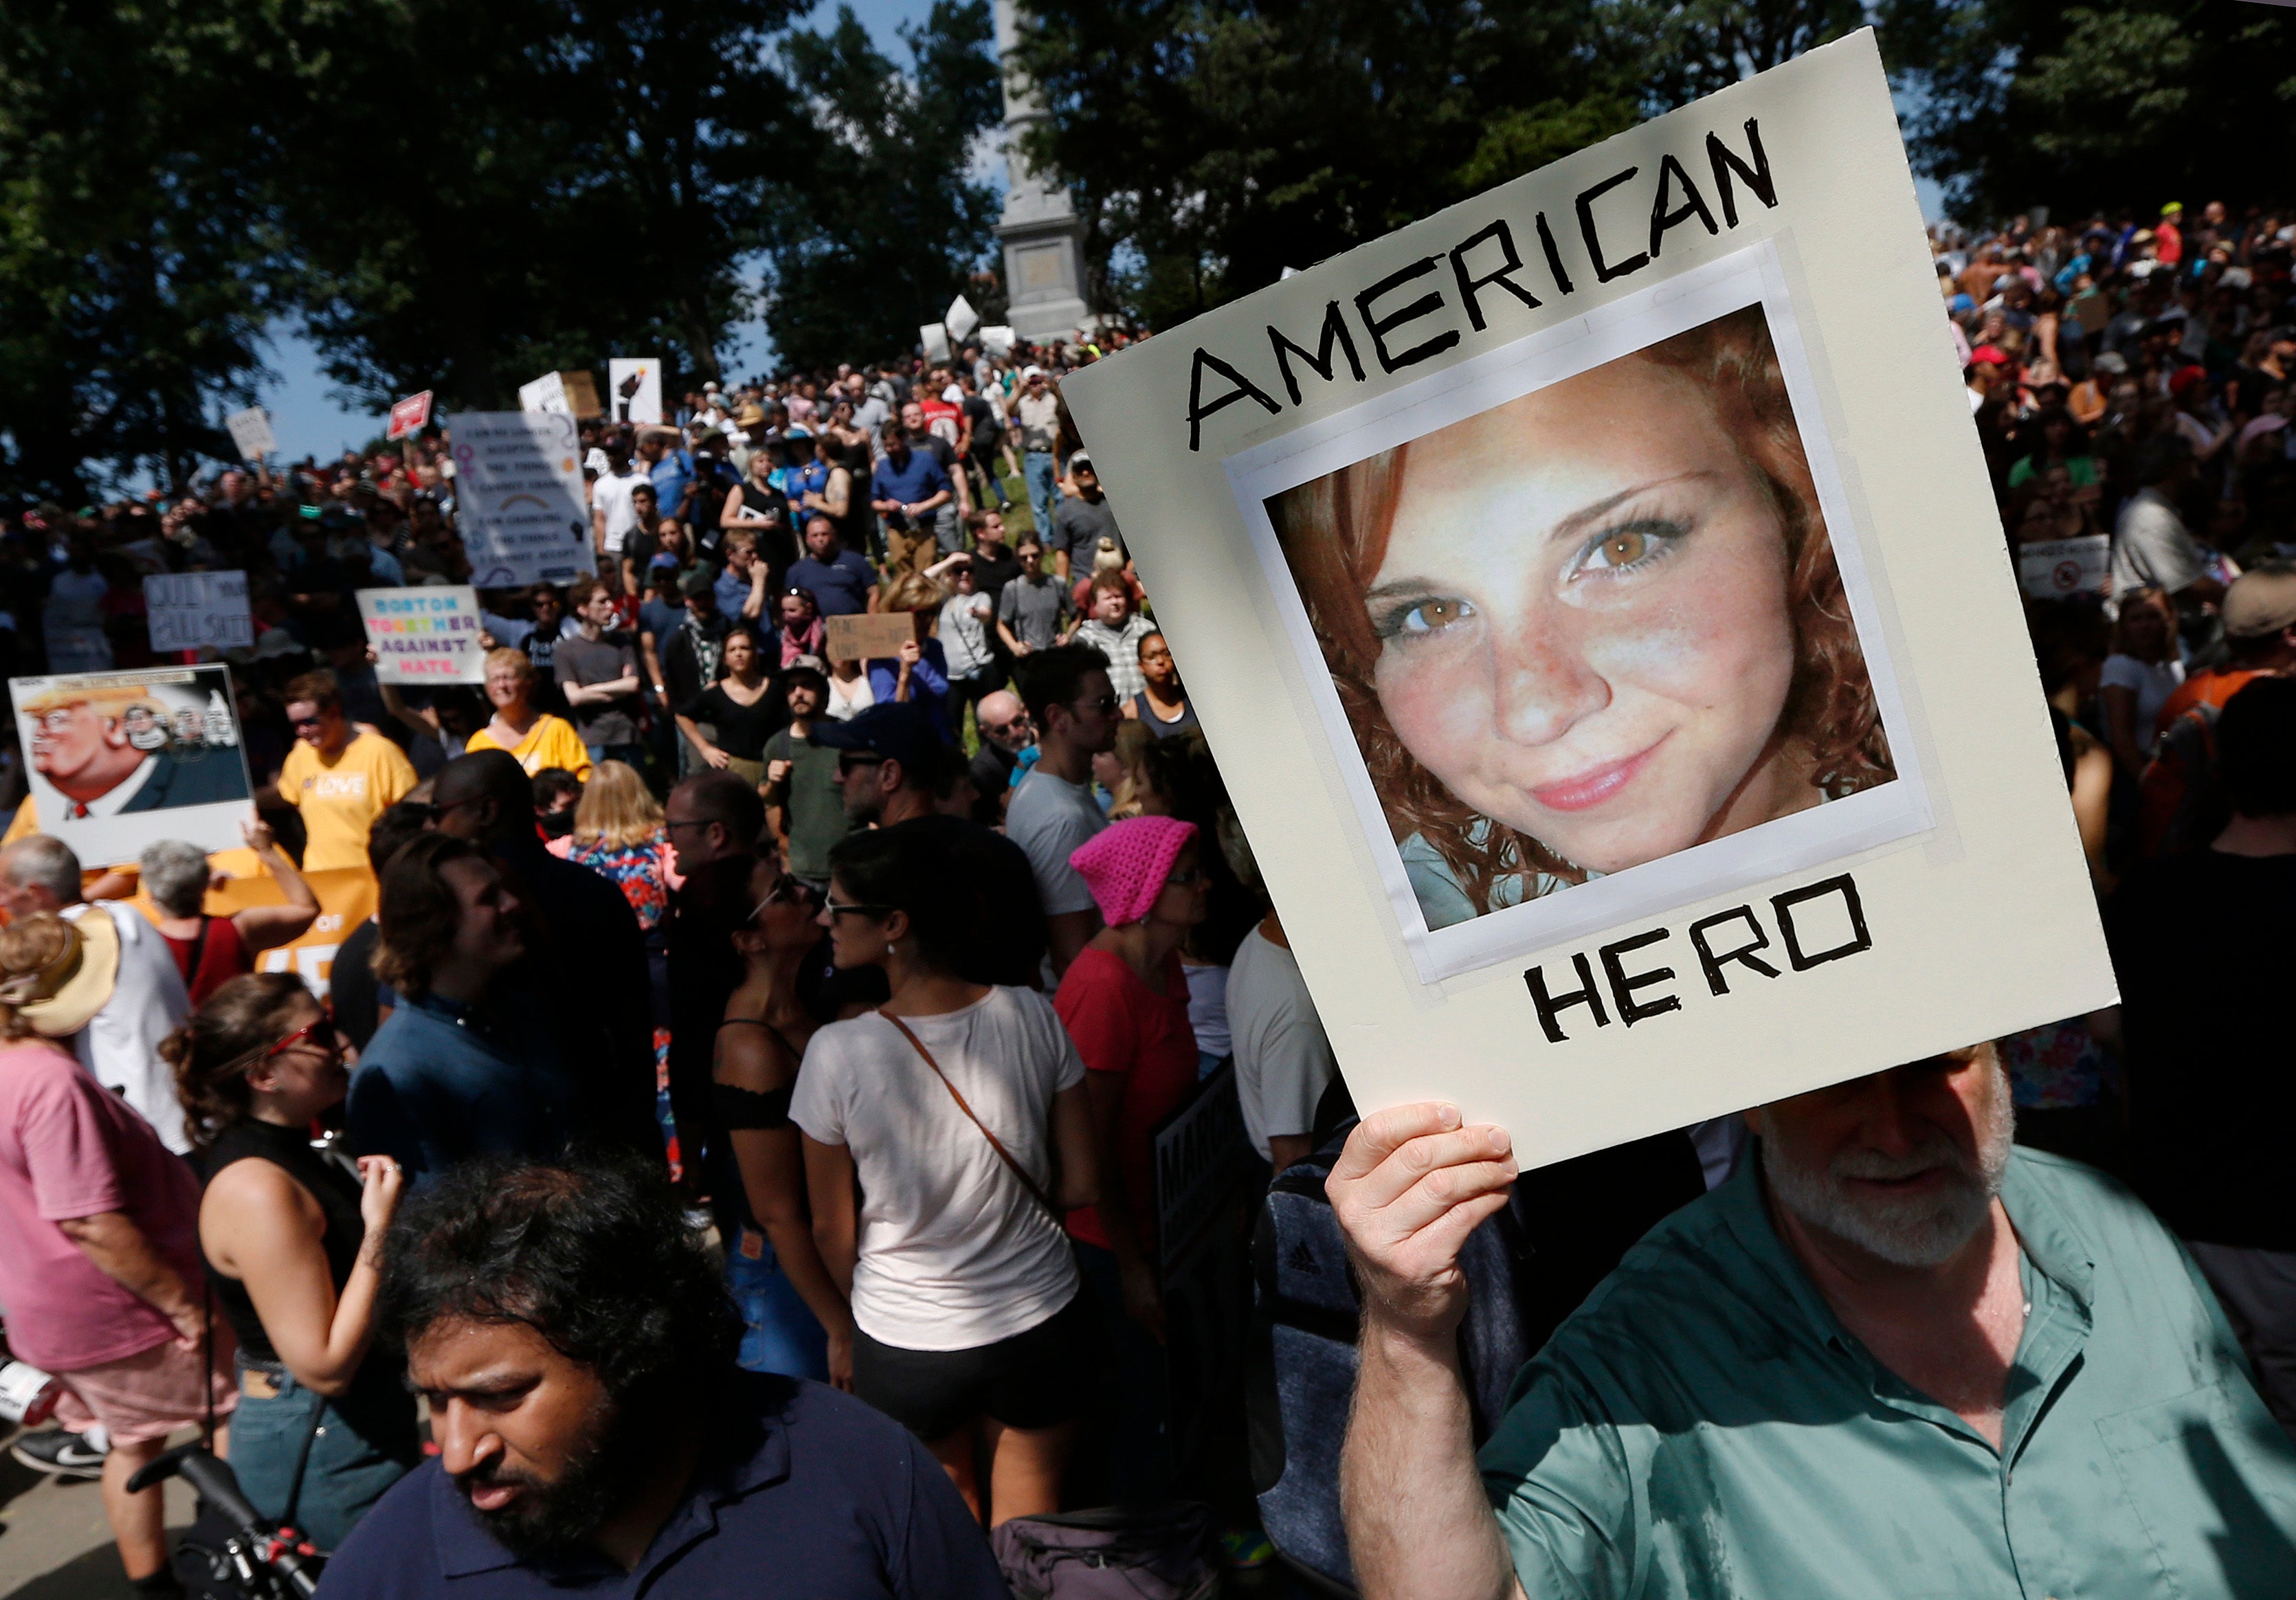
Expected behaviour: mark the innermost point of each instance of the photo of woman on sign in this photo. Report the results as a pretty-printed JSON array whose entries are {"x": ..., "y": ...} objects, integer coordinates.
[{"x": 1590, "y": 626}]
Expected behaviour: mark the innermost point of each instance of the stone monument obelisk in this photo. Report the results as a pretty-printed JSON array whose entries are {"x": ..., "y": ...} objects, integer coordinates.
[{"x": 1042, "y": 234}]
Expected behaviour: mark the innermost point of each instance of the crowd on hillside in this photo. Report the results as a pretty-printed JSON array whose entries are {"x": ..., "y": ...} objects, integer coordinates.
[{"x": 861, "y": 984}]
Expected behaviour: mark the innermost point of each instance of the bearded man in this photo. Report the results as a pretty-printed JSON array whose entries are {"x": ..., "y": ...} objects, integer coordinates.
[
  {"x": 1892, "y": 1355},
  {"x": 577, "y": 1347}
]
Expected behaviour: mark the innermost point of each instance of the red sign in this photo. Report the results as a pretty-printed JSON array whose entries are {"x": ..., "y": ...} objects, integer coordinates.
[{"x": 410, "y": 415}]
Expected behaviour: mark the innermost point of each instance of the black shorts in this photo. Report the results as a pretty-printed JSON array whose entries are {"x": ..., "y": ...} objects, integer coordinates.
[{"x": 1035, "y": 1379}]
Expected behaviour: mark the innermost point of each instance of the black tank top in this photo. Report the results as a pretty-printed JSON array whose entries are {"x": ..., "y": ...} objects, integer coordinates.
[{"x": 336, "y": 1191}]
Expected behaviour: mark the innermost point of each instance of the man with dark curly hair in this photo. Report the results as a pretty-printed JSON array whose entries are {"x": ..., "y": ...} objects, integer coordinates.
[{"x": 594, "y": 1434}]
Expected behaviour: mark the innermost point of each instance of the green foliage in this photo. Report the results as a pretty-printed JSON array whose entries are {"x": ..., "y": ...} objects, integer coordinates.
[
  {"x": 890, "y": 222},
  {"x": 2018, "y": 103},
  {"x": 1523, "y": 141}
]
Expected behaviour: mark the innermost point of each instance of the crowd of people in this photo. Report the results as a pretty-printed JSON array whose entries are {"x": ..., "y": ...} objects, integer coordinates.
[{"x": 859, "y": 984}]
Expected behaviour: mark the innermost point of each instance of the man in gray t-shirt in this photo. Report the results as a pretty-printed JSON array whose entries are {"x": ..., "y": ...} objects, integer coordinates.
[
  {"x": 1031, "y": 609},
  {"x": 599, "y": 676},
  {"x": 2151, "y": 546},
  {"x": 1053, "y": 812},
  {"x": 1080, "y": 522}
]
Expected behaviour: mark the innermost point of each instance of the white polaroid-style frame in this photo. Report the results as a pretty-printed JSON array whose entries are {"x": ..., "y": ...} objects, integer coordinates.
[
  {"x": 1948, "y": 906},
  {"x": 1879, "y": 816}
]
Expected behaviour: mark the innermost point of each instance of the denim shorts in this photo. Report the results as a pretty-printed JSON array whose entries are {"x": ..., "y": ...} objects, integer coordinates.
[{"x": 366, "y": 1441}]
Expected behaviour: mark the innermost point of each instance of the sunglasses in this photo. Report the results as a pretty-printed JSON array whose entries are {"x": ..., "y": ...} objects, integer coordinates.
[
  {"x": 787, "y": 887},
  {"x": 850, "y": 761},
  {"x": 1106, "y": 703},
  {"x": 1001, "y": 728},
  {"x": 858, "y": 907}
]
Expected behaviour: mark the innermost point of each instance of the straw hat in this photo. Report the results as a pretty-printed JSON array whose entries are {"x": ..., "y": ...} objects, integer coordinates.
[{"x": 63, "y": 998}]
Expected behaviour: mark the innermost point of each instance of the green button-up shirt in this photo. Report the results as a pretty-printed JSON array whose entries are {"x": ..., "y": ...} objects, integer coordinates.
[{"x": 1704, "y": 1427}]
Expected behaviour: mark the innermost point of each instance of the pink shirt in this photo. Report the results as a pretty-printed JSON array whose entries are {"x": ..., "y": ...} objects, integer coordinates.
[{"x": 69, "y": 1147}]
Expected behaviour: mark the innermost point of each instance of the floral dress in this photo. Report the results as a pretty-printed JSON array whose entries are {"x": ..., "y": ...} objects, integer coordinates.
[{"x": 644, "y": 873}]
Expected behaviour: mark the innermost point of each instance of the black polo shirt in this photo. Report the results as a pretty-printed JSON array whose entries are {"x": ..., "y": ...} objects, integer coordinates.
[{"x": 807, "y": 1494}]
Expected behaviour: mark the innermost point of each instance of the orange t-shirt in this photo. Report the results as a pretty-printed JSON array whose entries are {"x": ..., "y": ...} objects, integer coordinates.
[{"x": 2211, "y": 688}]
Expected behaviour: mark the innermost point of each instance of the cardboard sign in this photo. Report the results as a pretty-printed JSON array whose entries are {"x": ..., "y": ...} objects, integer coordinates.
[
  {"x": 122, "y": 760},
  {"x": 518, "y": 497},
  {"x": 199, "y": 610},
  {"x": 410, "y": 417},
  {"x": 424, "y": 635},
  {"x": 250, "y": 434},
  {"x": 868, "y": 637},
  {"x": 581, "y": 391},
  {"x": 633, "y": 391},
  {"x": 2060, "y": 569},
  {"x": 1595, "y": 599}
]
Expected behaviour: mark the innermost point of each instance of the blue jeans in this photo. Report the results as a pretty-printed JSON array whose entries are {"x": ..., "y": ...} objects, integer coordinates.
[
  {"x": 779, "y": 1330},
  {"x": 366, "y": 1442},
  {"x": 1042, "y": 475},
  {"x": 628, "y": 755}
]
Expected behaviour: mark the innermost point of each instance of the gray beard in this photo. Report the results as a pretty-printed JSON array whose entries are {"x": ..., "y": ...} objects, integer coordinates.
[{"x": 1917, "y": 1231}]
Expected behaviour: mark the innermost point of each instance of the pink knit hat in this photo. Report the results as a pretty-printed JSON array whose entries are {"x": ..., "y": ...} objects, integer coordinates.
[{"x": 1126, "y": 863}]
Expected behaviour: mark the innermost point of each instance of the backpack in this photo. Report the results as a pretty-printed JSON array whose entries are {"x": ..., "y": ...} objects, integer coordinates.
[{"x": 1111, "y": 1552}]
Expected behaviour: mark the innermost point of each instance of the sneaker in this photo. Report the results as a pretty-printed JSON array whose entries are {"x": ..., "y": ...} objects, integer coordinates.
[
  {"x": 55, "y": 1451},
  {"x": 1245, "y": 1549}
]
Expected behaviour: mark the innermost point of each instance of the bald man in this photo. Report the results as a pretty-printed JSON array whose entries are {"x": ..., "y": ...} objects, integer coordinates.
[
  {"x": 586, "y": 958},
  {"x": 1005, "y": 731}
]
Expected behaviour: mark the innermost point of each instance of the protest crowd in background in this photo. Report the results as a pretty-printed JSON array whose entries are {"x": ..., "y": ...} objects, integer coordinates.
[{"x": 864, "y": 986}]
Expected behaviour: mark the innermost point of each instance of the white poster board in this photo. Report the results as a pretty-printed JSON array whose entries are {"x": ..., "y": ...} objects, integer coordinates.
[
  {"x": 123, "y": 760},
  {"x": 633, "y": 391},
  {"x": 1595, "y": 601},
  {"x": 250, "y": 434},
  {"x": 196, "y": 611},
  {"x": 997, "y": 340},
  {"x": 932, "y": 338},
  {"x": 546, "y": 393},
  {"x": 2060, "y": 569},
  {"x": 961, "y": 318},
  {"x": 424, "y": 635},
  {"x": 519, "y": 500}
]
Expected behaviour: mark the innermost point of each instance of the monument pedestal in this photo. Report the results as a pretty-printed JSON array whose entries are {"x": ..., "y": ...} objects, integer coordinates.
[{"x": 1042, "y": 235}]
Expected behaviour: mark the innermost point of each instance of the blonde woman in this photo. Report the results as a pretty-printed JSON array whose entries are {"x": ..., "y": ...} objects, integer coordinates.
[
  {"x": 535, "y": 738},
  {"x": 919, "y": 671},
  {"x": 620, "y": 834}
]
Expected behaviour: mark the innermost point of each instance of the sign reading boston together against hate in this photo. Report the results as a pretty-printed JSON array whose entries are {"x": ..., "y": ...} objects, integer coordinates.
[
  {"x": 1593, "y": 595},
  {"x": 121, "y": 759},
  {"x": 424, "y": 635},
  {"x": 519, "y": 498}
]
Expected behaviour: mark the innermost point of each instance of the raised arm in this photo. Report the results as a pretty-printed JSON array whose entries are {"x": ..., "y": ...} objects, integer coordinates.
[
  {"x": 1409, "y": 1187},
  {"x": 266, "y": 927}
]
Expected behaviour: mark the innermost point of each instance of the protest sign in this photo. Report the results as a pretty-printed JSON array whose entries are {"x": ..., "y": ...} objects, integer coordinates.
[
  {"x": 2060, "y": 569},
  {"x": 997, "y": 340},
  {"x": 868, "y": 637},
  {"x": 634, "y": 389},
  {"x": 424, "y": 635},
  {"x": 411, "y": 415},
  {"x": 250, "y": 434},
  {"x": 932, "y": 337},
  {"x": 121, "y": 759},
  {"x": 346, "y": 897},
  {"x": 518, "y": 481},
  {"x": 195, "y": 610},
  {"x": 961, "y": 318},
  {"x": 1596, "y": 601},
  {"x": 546, "y": 393}
]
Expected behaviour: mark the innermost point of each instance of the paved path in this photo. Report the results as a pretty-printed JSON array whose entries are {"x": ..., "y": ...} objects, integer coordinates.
[{"x": 55, "y": 1544}]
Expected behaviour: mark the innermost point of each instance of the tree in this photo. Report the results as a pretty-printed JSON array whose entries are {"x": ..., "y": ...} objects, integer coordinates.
[
  {"x": 136, "y": 269},
  {"x": 2090, "y": 108},
  {"x": 1213, "y": 143},
  {"x": 888, "y": 221}
]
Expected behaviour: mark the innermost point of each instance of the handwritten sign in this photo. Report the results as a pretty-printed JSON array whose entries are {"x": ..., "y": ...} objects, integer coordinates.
[
  {"x": 410, "y": 415},
  {"x": 194, "y": 610},
  {"x": 2060, "y": 569},
  {"x": 523, "y": 515},
  {"x": 250, "y": 434},
  {"x": 425, "y": 636},
  {"x": 868, "y": 637}
]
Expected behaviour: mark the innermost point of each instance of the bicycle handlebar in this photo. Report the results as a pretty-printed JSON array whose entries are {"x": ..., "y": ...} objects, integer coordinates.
[{"x": 218, "y": 1486}]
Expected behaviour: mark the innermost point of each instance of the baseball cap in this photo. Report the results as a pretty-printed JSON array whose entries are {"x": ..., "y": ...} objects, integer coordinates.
[
  {"x": 2112, "y": 362},
  {"x": 2185, "y": 379},
  {"x": 1988, "y": 355},
  {"x": 696, "y": 580},
  {"x": 898, "y": 731},
  {"x": 2261, "y": 601},
  {"x": 1031, "y": 371}
]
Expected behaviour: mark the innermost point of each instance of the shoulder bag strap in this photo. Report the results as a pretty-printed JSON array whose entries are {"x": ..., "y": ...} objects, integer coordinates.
[{"x": 1035, "y": 1192}]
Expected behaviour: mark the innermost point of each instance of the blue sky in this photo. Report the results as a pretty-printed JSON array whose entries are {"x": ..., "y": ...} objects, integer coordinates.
[{"x": 309, "y": 421}]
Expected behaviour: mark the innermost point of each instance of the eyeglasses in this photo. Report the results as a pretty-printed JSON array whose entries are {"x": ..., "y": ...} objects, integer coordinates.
[
  {"x": 850, "y": 760},
  {"x": 1186, "y": 878},
  {"x": 858, "y": 907},
  {"x": 691, "y": 822},
  {"x": 999, "y": 729},
  {"x": 788, "y": 886},
  {"x": 1105, "y": 704},
  {"x": 321, "y": 1033}
]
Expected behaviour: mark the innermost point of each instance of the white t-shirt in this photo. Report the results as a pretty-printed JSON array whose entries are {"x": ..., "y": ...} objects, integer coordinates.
[
  {"x": 121, "y": 1044},
  {"x": 1051, "y": 819},
  {"x": 955, "y": 1253},
  {"x": 848, "y": 697},
  {"x": 611, "y": 495},
  {"x": 2152, "y": 683},
  {"x": 1207, "y": 1007},
  {"x": 1282, "y": 1060}
]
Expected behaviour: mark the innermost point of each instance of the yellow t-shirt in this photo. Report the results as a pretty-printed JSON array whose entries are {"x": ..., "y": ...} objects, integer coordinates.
[
  {"x": 551, "y": 742},
  {"x": 339, "y": 800}
]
